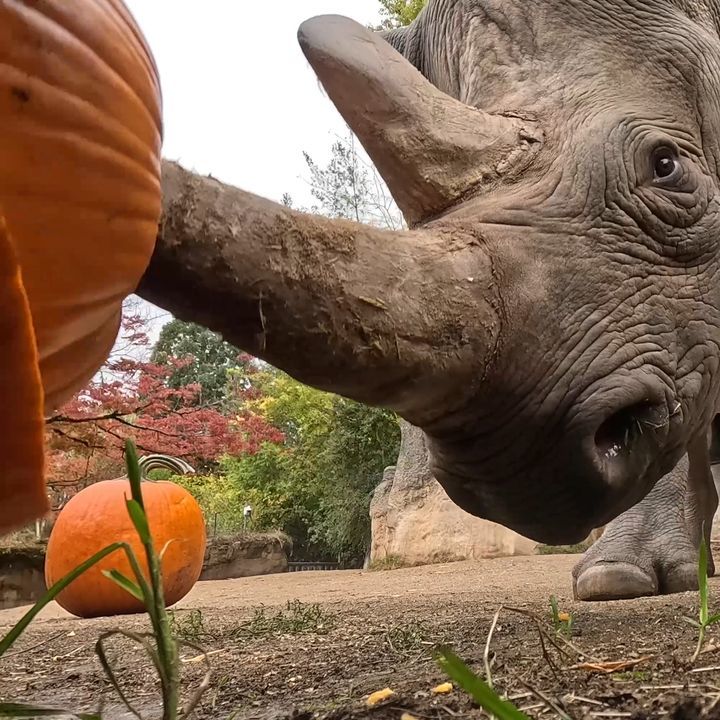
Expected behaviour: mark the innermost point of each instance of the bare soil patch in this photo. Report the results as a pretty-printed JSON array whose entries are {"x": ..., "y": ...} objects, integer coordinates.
[{"x": 317, "y": 644}]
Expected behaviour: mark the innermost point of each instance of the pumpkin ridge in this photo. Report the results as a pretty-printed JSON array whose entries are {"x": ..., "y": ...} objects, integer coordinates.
[
  {"x": 84, "y": 371},
  {"x": 124, "y": 19},
  {"x": 101, "y": 123},
  {"x": 88, "y": 207},
  {"x": 36, "y": 19}
]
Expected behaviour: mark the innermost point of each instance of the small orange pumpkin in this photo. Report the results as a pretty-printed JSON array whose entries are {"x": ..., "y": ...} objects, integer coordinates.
[
  {"x": 80, "y": 138},
  {"x": 97, "y": 516}
]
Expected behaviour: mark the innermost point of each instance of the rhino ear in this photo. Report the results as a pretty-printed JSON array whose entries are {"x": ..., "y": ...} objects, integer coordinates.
[{"x": 431, "y": 149}]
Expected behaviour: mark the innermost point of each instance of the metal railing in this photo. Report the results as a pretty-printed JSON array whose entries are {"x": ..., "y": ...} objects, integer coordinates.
[{"x": 304, "y": 566}]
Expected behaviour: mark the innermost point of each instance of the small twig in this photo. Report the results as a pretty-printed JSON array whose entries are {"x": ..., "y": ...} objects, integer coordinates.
[
  {"x": 519, "y": 696},
  {"x": 486, "y": 654},
  {"x": 705, "y": 669},
  {"x": 142, "y": 640},
  {"x": 390, "y": 642},
  {"x": 546, "y": 655},
  {"x": 195, "y": 698},
  {"x": 34, "y": 647},
  {"x": 200, "y": 658},
  {"x": 69, "y": 654},
  {"x": 581, "y": 699},
  {"x": 547, "y": 700},
  {"x": 552, "y": 640},
  {"x": 712, "y": 705}
]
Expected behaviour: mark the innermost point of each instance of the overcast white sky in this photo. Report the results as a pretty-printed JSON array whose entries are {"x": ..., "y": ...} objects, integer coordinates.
[{"x": 239, "y": 99}]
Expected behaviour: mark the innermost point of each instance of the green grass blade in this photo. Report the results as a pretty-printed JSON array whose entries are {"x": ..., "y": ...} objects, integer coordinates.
[
  {"x": 167, "y": 650},
  {"x": 13, "y": 710},
  {"x": 702, "y": 581},
  {"x": 713, "y": 619},
  {"x": 125, "y": 583},
  {"x": 53, "y": 592},
  {"x": 139, "y": 520},
  {"x": 555, "y": 611},
  {"x": 480, "y": 691},
  {"x": 132, "y": 465}
]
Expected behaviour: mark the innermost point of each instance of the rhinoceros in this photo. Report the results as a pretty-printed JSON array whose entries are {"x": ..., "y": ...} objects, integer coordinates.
[{"x": 551, "y": 317}]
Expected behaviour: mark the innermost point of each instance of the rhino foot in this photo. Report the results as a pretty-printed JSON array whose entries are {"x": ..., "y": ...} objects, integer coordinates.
[
  {"x": 649, "y": 549},
  {"x": 617, "y": 580}
]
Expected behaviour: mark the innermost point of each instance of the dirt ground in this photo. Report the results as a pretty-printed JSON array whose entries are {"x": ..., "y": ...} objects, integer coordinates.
[{"x": 317, "y": 644}]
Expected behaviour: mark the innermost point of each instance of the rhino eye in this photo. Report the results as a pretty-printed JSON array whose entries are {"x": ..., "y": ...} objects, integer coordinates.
[{"x": 666, "y": 165}]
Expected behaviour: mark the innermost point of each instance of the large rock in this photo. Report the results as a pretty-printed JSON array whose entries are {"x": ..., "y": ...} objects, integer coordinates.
[
  {"x": 246, "y": 554},
  {"x": 415, "y": 522}
]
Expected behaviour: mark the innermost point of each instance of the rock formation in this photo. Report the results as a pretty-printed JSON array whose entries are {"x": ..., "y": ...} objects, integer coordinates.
[
  {"x": 415, "y": 522},
  {"x": 246, "y": 554}
]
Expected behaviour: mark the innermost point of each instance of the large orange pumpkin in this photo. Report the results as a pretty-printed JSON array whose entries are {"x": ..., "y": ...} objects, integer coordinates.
[
  {"x": 97, "y": 516},
  {"x": 80, "y": 137}
]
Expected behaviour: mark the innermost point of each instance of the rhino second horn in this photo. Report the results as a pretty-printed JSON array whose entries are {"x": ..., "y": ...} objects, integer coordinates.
[{"x": 431, "y": 149}]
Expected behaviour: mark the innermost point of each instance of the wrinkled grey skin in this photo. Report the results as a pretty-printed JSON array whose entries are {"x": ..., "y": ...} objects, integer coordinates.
[
  {"x": 551, "y": 319},
  {"x": 636, "y": 273}
]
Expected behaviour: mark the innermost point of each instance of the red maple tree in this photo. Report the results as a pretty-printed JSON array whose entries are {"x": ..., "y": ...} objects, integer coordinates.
[{"x": 131, "y": 398}]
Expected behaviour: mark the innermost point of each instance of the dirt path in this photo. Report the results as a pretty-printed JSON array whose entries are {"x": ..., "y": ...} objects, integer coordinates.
[
  {"x": 497, "y": 580},
  {"x": 325, "y": 640}
]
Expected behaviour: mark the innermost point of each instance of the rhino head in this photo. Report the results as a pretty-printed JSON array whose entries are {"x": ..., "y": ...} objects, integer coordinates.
[{"x": 551, "y": 317}]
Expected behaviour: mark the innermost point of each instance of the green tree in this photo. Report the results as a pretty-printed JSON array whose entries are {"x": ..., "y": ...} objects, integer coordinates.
[
  {"x": 210, "y": 358},
  {"x": 320, "y": 484},
  {"x": 349, "y": 187},
  {"x": 397, "y": 13},
  {"x": 363, "y": 442}
]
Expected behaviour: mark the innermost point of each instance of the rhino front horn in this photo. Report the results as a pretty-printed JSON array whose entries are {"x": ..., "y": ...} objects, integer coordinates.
[{"x": 431, "y": 149}]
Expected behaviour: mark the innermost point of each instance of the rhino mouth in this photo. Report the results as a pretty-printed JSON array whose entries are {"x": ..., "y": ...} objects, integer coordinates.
[{"x": 614, "y": 444}]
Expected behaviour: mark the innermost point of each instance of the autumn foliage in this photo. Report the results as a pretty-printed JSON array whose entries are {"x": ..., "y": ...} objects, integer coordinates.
[{"x": 132, "y": 398}]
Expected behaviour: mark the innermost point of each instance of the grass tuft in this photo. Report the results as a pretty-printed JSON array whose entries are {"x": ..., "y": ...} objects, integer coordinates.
[
  {"x": 295, "y": 618},
  {"x": 562, "y": 621},
  {"x": 705, "y": 620}
]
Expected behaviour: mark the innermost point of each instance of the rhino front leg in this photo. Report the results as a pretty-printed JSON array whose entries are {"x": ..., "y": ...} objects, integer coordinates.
[{"x": 652, "y": 548}]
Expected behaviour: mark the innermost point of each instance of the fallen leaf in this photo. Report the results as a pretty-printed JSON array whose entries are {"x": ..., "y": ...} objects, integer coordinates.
[
  {"x": 611, "y": 666},
  {"x": 443, "y": 689},
  {"x": 379, "y": 696}
]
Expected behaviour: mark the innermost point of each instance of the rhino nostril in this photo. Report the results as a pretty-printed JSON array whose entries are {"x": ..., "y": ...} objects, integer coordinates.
[{"x": 619, "y": 432}]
